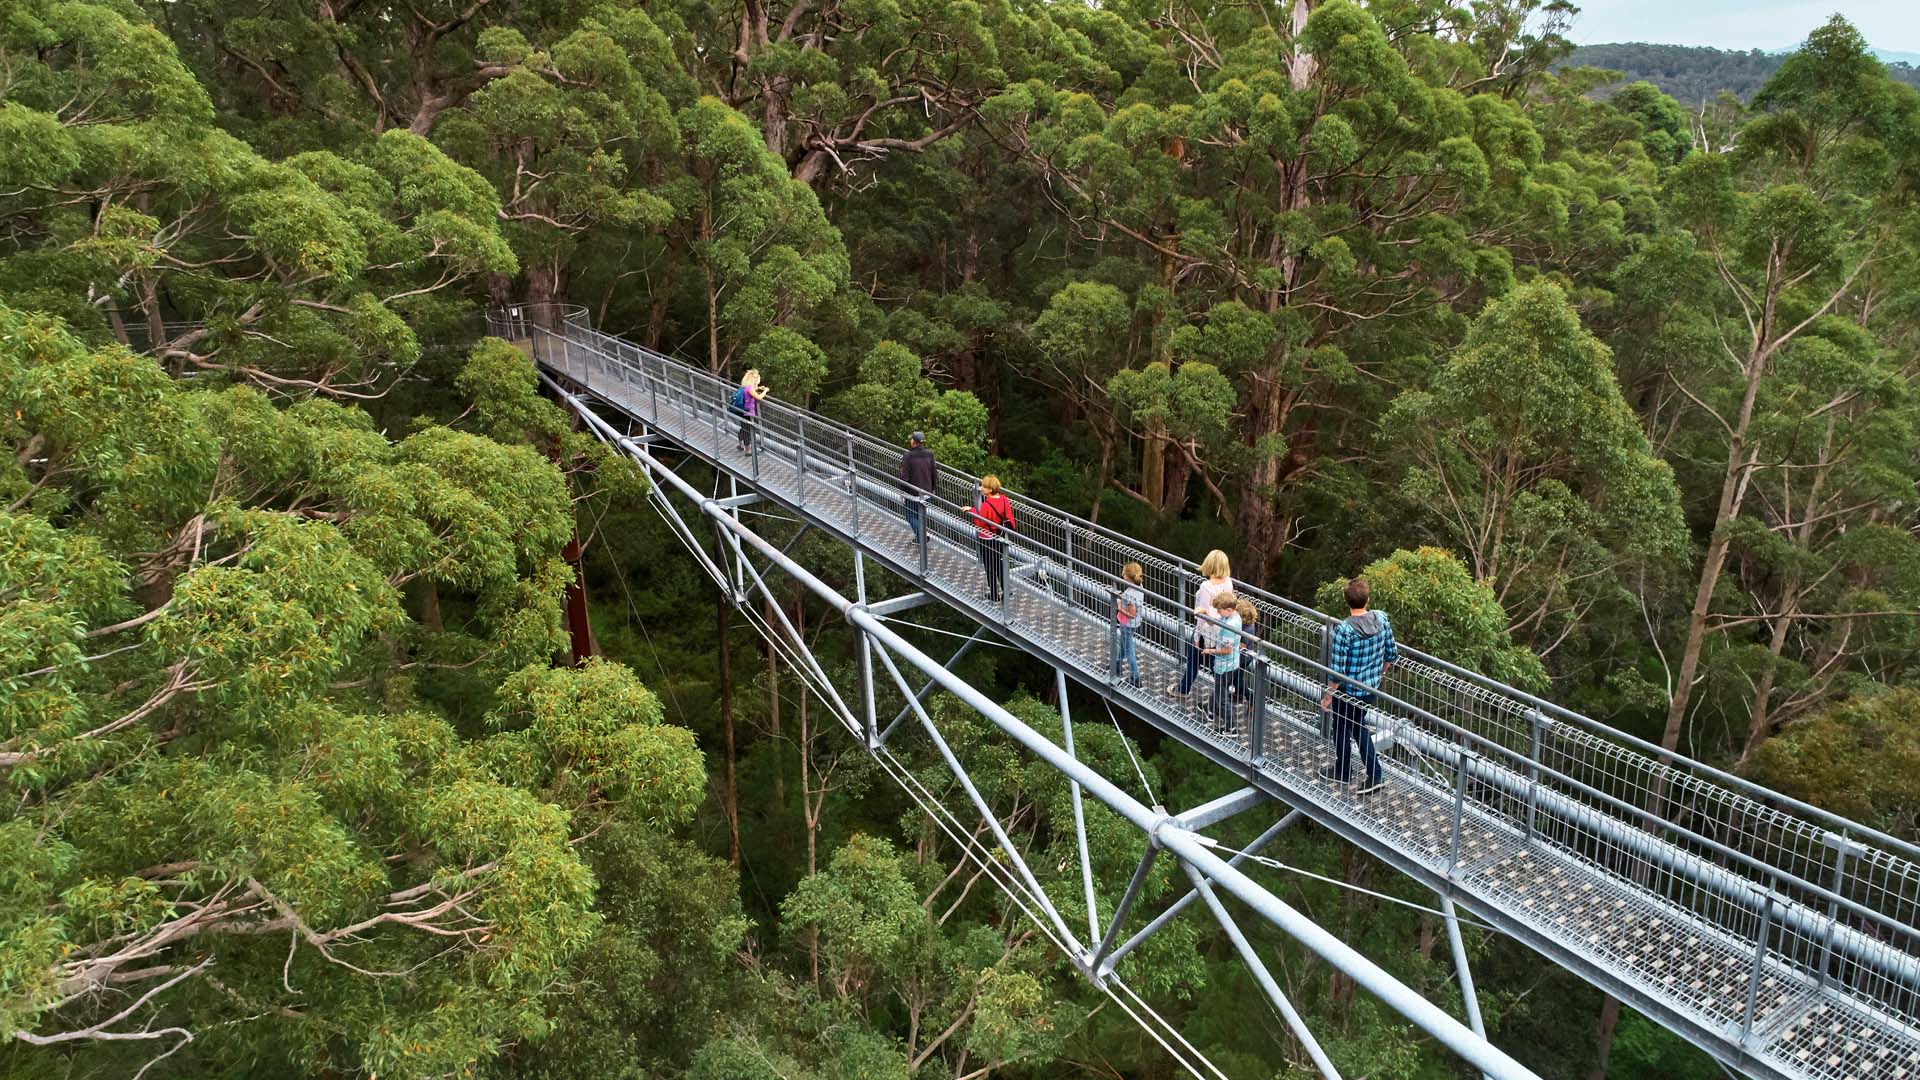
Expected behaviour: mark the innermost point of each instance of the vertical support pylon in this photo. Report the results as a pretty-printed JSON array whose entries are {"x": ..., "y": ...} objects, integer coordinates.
[
  {"x": 1079, "y": 815},
  {"x": 870, "y": 729},
  {"x": 1295, "y": 1022},
  {"x": 739, "y": 557},
  {"x": 927, "y": 688},
  {"x": 1460, "y": 967}
]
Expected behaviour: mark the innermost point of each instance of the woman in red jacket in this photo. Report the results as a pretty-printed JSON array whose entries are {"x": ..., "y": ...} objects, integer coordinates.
[{"x": 992, "y": 512}]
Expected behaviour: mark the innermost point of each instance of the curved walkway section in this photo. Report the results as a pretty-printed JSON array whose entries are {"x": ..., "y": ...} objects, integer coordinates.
[{"x": 1779, "y": 938}]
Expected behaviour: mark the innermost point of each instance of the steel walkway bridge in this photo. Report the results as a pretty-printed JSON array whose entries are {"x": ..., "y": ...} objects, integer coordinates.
[{"x": 1778, "y": 938}]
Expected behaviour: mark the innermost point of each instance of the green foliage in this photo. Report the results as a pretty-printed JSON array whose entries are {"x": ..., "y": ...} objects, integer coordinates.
[
  {"x": 893, "y": 398},
  {"x": 1525, "y": 455},
  {"x": 278, "y": 636},
  {"x": 1436, "y": 606},
  {"x": 244, "y": 772},
  {"x": 1695, "y": 74},
  {"x": 1860, "y": 758}
]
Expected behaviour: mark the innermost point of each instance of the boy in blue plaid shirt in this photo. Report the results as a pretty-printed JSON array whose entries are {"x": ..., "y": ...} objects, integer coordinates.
[{"x": 1363, "y": 649}]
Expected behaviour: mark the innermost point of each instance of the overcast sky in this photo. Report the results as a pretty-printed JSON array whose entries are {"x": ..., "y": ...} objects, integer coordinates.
[{"x": 1744, "y": 24}]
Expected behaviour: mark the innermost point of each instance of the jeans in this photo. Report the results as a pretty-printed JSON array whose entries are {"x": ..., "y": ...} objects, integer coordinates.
[
  {"x": 1223, "y": 715},
  {"x": 1349, "y": 727},
  {"x": 915, "y": 512},
  {"x": 1126, "y": 657},
  {"x": 1192, "y": 670},
  {"x": 746, "y": 432},
  {"x": 993, "y": 558}
]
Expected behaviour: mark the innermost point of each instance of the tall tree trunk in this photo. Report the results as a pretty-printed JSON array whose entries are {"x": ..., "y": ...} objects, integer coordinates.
[
  {"x": 1153, "y": 463},
  {"x": 544, "y": 283},
  {"x": 156, "y": 327},
  {"x": 773, "y": 713},
  {"x": 1178, "y": 467},
  {"x": 1263, "y": 529},
  {"x": 118, "y": 324},
  {"x": 1609, "y": 1020},
  {"x": 730, "y": 791},
  {"x": 1106, "y": 471},
  {"x": 970, "y": 248},
  {"x": 1301, "y": 66},
  {"x": 713, "y": 295},
  {"x": 657, "y": 309},
  {"x": 812, "y": 802},
  {"x": 1759, "y": 719},
  {"x": 1733, "y": 492},
  {"x": 430, "y": 605},
  {"x": 579, "y": 629}
]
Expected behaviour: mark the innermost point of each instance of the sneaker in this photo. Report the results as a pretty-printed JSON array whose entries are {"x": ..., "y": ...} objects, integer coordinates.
[
  {"x": 1372, "y": 786},
  {"x": 1329, "y": 775},
  {"x": 1173, "y": 689}
]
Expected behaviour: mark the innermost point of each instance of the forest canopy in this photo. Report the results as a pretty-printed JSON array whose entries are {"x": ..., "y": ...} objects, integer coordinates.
[
  {"x": 313, "y": 767},
  {"x": 1695, "y": 75}
]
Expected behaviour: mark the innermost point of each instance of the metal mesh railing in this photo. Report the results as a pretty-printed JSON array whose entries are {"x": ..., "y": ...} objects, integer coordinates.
[{"x": 1794, "y": 894}]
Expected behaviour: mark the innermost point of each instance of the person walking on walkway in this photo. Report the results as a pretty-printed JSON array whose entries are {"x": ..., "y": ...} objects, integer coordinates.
[
  {"x": 1126, "y": 613},
  {"x": 917, "y": 469},
  {"x": 1363, "y": 649},
  {"x": 746, "y": 406},
  {"x": 992, "y": 513},
  {"x": 1216, "y": 578}
]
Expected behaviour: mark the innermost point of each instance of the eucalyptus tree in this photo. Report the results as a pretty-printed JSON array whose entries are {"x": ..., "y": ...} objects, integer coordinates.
[
  {"x": 127, "y": 208},
  {"x": 1789, "y": 225},
  {"x": 1825, "y": 551},
  {"x": 261, "y": 810},
  {"x": 1525, "y": 457},
  {"x": 1353, "y": 188},
  {"x": 1437, "y": 604},
  {"x": 838, "y": 87},
  {"x": 892, "y": 397},
  {"x": 299, "y": 76},
  {"x": 575, "y": 133}
]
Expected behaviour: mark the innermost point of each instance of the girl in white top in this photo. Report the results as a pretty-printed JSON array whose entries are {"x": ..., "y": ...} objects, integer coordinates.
[{"x": 1218, "y": 579}]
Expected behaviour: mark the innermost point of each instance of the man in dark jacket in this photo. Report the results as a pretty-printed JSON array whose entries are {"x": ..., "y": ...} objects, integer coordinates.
[{"x": 917, "y": 470}]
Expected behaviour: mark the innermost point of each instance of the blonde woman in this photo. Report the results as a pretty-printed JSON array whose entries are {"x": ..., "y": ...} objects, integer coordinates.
[
  {"x": 1216, "y": 577},
  {"x": 746, "y": 406},
  {"x": 992, "y": 512}
]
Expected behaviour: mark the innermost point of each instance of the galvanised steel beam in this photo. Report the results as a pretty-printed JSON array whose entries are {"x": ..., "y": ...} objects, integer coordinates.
[
  {"x": 1261, "y": 975},
  {"x": 1079, "y": 816},
  {"x": 1222, "y": 808}
]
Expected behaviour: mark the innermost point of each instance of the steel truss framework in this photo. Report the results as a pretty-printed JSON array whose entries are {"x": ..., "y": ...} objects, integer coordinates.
[{"x": 1776, "y": 937}]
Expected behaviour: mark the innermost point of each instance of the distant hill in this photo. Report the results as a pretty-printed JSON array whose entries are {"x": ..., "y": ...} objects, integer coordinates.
[{"x": 1693, "y": 74}]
